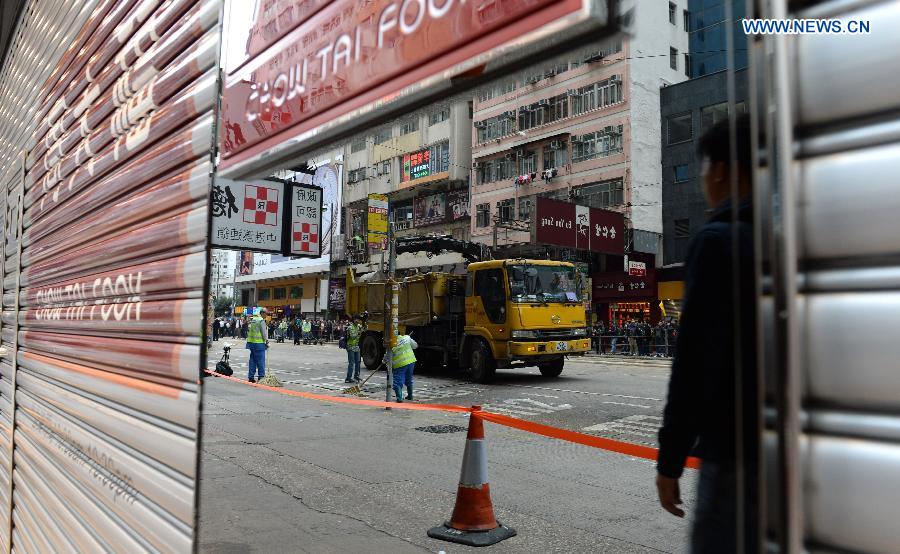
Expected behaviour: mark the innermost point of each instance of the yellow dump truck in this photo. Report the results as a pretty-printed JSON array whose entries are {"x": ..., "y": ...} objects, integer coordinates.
[{"x": 501, "y": 314}]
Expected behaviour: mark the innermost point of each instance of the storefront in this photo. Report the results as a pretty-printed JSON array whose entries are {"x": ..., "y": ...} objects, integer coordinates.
[
  {"x": 290, "y": 297},
  {"x": 620, "y": 297}
]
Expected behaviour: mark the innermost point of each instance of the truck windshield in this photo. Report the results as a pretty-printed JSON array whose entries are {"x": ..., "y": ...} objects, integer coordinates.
[{"x": 543, "y": 283}]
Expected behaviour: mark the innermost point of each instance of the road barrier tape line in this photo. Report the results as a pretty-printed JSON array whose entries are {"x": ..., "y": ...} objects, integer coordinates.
[
  {"x": 627, "y": 448},
  {"x": 611, "y": 445},
  {"x": 357, "y": 401}
]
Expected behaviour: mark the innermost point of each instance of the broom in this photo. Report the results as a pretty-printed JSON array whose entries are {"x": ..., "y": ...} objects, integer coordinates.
[
  {"x": 270, "y": 380},
  {"x": 357, "y": 389}
]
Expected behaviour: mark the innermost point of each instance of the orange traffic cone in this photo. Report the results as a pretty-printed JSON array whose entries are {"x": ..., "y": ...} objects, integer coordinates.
[{"x": 473, "y": 522}]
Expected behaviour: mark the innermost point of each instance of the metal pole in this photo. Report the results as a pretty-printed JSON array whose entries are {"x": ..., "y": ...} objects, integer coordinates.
[{"x": 389, "y": 311}]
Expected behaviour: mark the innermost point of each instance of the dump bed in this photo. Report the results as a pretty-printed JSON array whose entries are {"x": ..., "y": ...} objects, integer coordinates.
[{"x": 423, "y": 298}]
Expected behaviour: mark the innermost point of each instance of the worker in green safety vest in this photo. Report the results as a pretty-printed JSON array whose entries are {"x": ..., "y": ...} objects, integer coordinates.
[
  {"x": 257, "y": 343},
  {"x": 404, "y": 361},
  {"x": 307, "y": 328},
  {"x": 351, "y": 334}
]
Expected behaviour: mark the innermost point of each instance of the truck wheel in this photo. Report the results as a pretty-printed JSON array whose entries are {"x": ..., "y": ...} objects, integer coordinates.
[
  {"x": 371, "y": 350},
  {"x": 552, "y": 369},
  {"x": 482, "y": 366}
]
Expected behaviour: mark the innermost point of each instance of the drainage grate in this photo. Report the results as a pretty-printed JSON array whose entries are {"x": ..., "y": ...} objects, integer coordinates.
[{"x": 440, "y": 429}]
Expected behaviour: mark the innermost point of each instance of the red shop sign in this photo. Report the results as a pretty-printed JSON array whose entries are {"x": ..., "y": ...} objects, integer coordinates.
[
  {"x": 297, "y": 71},
  {"x": 580, "y": 227}
]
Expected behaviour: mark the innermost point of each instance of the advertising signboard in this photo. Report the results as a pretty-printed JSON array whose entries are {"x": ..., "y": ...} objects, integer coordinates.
[
  {"x": 337, "y": 291},
  {"x": 429, "y": 209},
  {"x": 637, "y": 269},
  {"x": 247, "y": 215},
  {"x": 415, "y": 165},
  {"x": 298, "y": 77},
  {"x": 458, "y": 204},
  {"x": 579, "y": 227},
  {"x": 305, "y": 221},
  {"x": 378, "y": 221},
  {"x": 245, "y": 265}
]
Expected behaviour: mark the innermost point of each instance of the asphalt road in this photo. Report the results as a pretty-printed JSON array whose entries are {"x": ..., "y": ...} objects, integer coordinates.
[{"x": 287, "y": 474}]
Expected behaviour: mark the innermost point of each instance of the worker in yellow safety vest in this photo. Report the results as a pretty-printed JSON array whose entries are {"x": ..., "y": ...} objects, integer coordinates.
[
  {"x": 257, "y": 343},
  {"x": 404, "y": 361}
]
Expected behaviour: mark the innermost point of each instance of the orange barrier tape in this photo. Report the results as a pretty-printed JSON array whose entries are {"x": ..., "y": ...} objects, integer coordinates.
[
  {"x": 345, "y": 400},
  {"x": 627, "y": 448}
]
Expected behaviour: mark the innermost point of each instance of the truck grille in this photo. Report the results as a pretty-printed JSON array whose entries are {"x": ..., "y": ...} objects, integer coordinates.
[{"x": 561, "y": 334}]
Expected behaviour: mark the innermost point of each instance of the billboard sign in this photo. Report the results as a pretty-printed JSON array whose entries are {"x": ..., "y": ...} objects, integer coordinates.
[
  {"x": 337, "y": 291},
  {"x": 245, "y": 265},
  {"x": 247, "y": 215},
  {"x": 579, "y": 227},
  {"x": 378, "y": 221},
  {"x": 415, "y": 165},
  {"x": 299, "y": 77},
  {"x": 305, "y": 222},
  {"x": 429, "y": 209},
  {"x": 458, "y": 204},
  {"x": 637, "y": 269}
]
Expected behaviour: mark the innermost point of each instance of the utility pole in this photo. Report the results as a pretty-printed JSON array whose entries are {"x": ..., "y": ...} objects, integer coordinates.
[{"x": 391, "y": 316}]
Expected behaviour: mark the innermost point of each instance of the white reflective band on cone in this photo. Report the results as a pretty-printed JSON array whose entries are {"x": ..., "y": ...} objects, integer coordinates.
[{"x": 474, "y": 466}]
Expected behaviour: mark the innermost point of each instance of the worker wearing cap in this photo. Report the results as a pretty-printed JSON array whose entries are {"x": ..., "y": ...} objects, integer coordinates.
[
  {"x": 354, "y": 330},
  {"x": 257, "y": 343},
  {"x": 404, "y": 361}
]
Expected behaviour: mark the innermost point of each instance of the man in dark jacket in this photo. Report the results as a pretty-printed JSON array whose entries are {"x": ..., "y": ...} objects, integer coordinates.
[{"x": 717, "y": 343}]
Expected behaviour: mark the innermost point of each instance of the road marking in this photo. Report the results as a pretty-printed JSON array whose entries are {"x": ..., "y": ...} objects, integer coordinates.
[
  {"x": 635, "y": 425},
  {"x": 524, "y": 406},
  {"x": 583, "y": 392}
]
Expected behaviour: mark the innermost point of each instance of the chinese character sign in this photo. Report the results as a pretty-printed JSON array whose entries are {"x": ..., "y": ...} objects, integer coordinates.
[
  {"x": 306, "y": 221},
  {"x": 415, "y": 166},
  {"x": 378, "y": 221},
  {"x": 247, "y": 215},
  {"x": 579, "y": 227}
]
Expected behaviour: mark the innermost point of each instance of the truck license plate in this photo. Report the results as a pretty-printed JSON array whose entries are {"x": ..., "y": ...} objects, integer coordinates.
[{"x": 562, "y": 346}]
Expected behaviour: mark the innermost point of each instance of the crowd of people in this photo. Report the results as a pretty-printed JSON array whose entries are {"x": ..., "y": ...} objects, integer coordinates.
[
  {"x": 298, "y": 329},
  {"x": 636, "y": 337}
]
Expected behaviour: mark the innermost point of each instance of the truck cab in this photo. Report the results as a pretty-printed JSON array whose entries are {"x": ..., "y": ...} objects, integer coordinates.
[{"x": 522, "y": 313}]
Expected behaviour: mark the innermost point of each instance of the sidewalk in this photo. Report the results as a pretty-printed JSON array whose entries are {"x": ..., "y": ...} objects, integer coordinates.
[{"x": 282, "y": 474}]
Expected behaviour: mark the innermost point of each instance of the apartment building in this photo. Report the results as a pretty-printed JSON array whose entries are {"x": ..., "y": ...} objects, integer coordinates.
[
  {"x": 422, "y": 163},
  {"x": 584, "y": 128},
  {"x": 222, "y": 273}
]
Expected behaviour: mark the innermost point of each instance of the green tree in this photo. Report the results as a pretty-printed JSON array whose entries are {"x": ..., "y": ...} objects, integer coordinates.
[{"x": 223, "y": 305}]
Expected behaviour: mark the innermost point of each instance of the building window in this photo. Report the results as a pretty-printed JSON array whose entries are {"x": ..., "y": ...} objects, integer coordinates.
[
  {"x": 483, "y": 215},
  {"x": 559, "y": 107},
  {"x": 601, "y": 195},
  {"x": 673, "y": 58},
  {"x": 403, "y": 217},
  {"x": 439, "y": 116},
  {"x": 296, "y": 292},
  {"x": 265, "y": 294},
  {"x": 534, "y": 115},
  {"x": 439, "y": 157},
  {"x": 710, "y": 115},
  {"x": 279, "y": 293},
  {"x": 498, "y": 169},
  {"x": 527, "y": 163},
  {"x": 497, "y": 90},
  {"x": 553, "y": 71},
  {"x": 383, "y": 136},
  {"x": 358, "y": 145},
  {"x": 598, "y": 144},
  {"x": 681, "y": 173},
  {"x": 687, "y": 20},
  {"x": 525, "y": 207},
  {"x": 687, "y": 65},
  {"x": 408, "y": 126},
  {"x": 386, "y": 167},
  {"x": 672, "y": 12},
  {"x": 682, "y": 228},
  {"x": 599, "y": 95},
  {"x": 356, "y": 175},
  {"x": 555, "y": 154},
  {"x": 680, "y": 128},
  {"x": 496, "y": 127},
  {"x": 505, "y": 210}
]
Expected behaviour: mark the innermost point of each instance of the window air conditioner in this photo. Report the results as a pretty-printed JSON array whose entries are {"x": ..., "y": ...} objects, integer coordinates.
[
  {"x": 520, "y": 152},
  {"x": 543, "y": 102},
  {"x": 476, "y": 165},
  {"x": 572, "y": 92},
  {"x": 557, "y": 145},
  {"x": 615, "y": 79},
  {"x": 594, "y": 56},
  {"x": 510, "y": 156}
]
